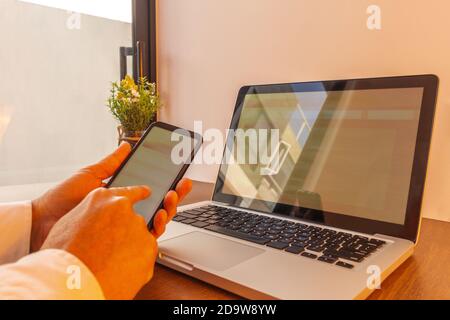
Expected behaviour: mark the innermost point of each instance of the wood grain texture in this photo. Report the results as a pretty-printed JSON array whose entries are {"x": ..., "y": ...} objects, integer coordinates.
[{"x": 426, "y": 275}]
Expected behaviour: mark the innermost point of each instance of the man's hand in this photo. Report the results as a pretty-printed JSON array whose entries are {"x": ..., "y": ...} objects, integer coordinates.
[
  {"x": 110, "y": 238},
  {"x": 57, "y": 202}
]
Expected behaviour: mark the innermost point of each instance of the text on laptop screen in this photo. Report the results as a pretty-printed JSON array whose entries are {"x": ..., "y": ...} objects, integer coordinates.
[{"x": 349, "y": 152}]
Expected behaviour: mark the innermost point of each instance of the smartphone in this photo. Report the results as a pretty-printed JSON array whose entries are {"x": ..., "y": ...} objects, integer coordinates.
[{"x": 159, "y": 160}]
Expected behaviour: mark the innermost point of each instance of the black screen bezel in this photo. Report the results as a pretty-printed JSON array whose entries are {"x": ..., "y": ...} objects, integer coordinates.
[
  {"x": 409, "y": 229},
  {"x": 193, "y": 135}
]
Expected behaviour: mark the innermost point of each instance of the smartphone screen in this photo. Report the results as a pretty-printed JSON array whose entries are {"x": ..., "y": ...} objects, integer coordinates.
[{"x": 153, "y": 164}]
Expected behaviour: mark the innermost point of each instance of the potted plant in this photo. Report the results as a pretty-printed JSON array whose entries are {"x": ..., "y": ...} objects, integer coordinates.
[{"x": 134, "y": 106}]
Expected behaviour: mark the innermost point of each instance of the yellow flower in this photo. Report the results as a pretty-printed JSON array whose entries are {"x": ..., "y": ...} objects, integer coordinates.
[{"x": 128, "y": 83}]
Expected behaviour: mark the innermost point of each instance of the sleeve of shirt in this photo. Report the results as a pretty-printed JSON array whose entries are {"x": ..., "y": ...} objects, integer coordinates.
[
  {"x": 48, "y": 275},
  {"x": 15, "y": 230}
]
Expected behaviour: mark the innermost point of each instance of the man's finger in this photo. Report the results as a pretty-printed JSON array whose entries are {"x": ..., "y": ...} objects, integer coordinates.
[
  {"x": 159, "y": 223},
  {"x": 183, "y": 188},
  {"x": 134, "y": 194},
  {"x": 171, "y": 203},
  {"x": 106, "y": 167}
]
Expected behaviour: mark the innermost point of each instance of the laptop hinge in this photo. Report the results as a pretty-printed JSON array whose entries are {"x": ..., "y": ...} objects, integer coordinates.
[{"x": 222, "y": 204}]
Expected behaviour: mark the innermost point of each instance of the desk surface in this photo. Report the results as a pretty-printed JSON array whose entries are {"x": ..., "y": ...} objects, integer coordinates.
[{"x": 425, "y": 275}]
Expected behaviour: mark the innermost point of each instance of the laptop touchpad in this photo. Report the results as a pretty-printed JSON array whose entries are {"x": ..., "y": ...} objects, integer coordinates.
[{"x": 202, "y": 249}]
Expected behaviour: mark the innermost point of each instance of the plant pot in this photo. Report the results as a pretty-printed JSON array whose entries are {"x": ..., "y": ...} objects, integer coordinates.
[{"x": 132, "y": 137}]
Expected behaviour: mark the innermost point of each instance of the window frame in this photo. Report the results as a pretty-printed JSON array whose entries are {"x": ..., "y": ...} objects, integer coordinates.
[{"x": 144, "y": 32}]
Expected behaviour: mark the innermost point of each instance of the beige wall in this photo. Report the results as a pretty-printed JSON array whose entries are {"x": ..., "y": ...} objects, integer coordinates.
[{"x": 208, "y": 49}]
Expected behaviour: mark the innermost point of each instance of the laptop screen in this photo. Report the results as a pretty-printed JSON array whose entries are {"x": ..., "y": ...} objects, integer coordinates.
[{"x": 322, "y": 152}]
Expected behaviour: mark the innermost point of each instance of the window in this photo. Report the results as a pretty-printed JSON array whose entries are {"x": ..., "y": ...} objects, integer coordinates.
[
  {"x": 119, "y": 10},
  {"x": 58, "y": 60}
]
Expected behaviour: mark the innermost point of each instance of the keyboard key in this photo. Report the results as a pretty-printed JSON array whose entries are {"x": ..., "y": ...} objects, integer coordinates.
[
  {"x": 355, "y": 258},
  {"x": 327, "y": 259},
  {"x": 331, "y": 253},
  {"x": 344, "y": 265},
  {"x": 332, "y": 246},
  {"x": 315, "y": 248},
  {"x": 314, "y": 228},
  {"x": 377, "y": 242},
  {"x": 315, "y": 242},
  {"x": 309, "y": 255},
  {"x": 188, "y": 221},
  {"x": 304, "y": 234},
  {"x": 362, "y": 253},
  {"x": 284, "y": 239},
  {"x": 352, "y": 256},
  {"x": 192, "y": 212},
  {"x": 237, "y": 234},
  {"x": 295, "y": 249},
  {"x": 212, "y": 216},
  {"x": 223, "y": 224},
  {"x": 187, "y": 215},
  {"x": 361, "y": 238},
  {"x": 277, "y": 245},
  {"x": 258, "y": 233},
  {"x": 344, "y": 235},
  {"x": 200, "y": 224},
  {"x": 250, "y": 224},
  {"x": 299, "y": 244},
  {"x": 301, "y": 226},
  {"x": 178, "y": 218}
]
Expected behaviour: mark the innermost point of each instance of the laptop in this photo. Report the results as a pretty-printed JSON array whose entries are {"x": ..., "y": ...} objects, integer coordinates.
[{"x": 334, "y": 212}]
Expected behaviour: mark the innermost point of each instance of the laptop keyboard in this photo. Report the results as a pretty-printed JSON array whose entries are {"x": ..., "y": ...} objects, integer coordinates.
[{"x": 326, "y": 245}]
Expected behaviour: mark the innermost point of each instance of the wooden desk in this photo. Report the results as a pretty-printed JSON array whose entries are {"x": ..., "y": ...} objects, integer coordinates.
[{"x": 426, "y": 275}]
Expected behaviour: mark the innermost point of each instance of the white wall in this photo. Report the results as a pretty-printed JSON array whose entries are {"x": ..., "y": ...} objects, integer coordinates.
[
  {"x": 53, "y": 88},
  {"x": 208, "y": 49}
]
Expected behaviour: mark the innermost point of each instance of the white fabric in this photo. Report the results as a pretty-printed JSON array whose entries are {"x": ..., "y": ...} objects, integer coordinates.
[{"x": 47, "y": 274}]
